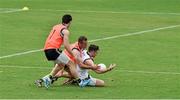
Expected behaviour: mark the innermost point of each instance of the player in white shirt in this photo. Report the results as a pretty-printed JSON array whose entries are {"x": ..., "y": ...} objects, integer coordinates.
[{"x": 88, "y": 59}]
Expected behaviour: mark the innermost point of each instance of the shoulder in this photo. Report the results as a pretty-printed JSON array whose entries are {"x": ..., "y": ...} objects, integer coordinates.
[
  {"x": 85, "y": 55},
  {"x": 64, "y": 30}
]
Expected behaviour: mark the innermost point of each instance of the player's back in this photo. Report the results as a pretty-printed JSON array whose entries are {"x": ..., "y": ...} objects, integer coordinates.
[{"x": 55, "y": 38}]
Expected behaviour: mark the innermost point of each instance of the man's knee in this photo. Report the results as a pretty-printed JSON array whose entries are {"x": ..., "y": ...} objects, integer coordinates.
[
  {"x": 70, "y": 64},
  {"x": 100, "y": 83},
  {"x": 72, "y": 69}
]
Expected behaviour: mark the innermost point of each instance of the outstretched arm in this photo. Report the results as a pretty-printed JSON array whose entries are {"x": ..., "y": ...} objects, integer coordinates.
[
  {"x": 111, "y": 66},
  {"x": 91, "y": 63}
]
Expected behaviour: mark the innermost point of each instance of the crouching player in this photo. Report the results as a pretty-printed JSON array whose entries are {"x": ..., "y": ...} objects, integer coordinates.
[
  {"x": 88, "y": 59},
  {"x": 76, "y": 49}
]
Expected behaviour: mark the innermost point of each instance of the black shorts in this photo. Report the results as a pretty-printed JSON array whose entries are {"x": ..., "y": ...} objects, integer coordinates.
[{"x": 52, "y": 54}]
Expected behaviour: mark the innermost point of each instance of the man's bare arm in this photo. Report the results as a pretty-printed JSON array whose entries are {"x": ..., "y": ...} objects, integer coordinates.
[
  {"x": 66, "y": 41},
  {"x": 111, "y": 66},
  {"x": 80, "y": 61},
  {"x": 89, "y": 62}
]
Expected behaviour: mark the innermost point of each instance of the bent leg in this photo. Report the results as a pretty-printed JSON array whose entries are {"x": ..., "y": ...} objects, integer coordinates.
[
  {"x": 96, "y": 82},
  {"x": 56, "y": 69},
  {"x": 73, "y": 70},
  {"x": 63, "y": 73},
  {"x": 100, "y": 83}
]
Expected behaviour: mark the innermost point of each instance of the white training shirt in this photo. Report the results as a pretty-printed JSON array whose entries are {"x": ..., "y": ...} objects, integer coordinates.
[{"x": 83, "y": 73}]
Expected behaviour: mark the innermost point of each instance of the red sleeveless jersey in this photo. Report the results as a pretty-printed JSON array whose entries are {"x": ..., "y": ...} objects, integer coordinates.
[
  {"x": 73, "y": 46},
  {"x": 55, "y": 38}
]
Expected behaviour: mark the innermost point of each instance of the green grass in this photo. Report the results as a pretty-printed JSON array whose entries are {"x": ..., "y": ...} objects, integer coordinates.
[{"x": 157, "y": 51}]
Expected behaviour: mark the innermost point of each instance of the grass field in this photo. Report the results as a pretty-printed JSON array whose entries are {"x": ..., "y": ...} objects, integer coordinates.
[{"x": 148, "y": 63}]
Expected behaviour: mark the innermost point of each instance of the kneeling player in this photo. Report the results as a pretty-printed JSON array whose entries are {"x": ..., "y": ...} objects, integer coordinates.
[
  {"x": 76, "y": 49},
  {"x": 87, "y": 57}
]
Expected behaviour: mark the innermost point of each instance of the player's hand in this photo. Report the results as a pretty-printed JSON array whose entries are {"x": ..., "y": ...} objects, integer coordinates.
[
  {"x": 111, "y": 66},
  {"x": 95, "y": 67}
]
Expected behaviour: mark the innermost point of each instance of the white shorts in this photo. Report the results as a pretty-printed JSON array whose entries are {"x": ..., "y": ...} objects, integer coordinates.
[
  {"x": 92, "y": 81},
  {"x": 62, "y": 59}
]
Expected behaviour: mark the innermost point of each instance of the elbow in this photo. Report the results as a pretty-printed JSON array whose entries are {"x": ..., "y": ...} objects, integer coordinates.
[{"x": 98, "y": 72}]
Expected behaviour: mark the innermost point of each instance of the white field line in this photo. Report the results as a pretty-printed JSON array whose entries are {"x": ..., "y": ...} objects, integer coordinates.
[
  {"x": 100, "y": 39},
  {"x": 136, "y": 33},
  {"x": 120, "y": 70},
  {"x": 148, "y": 72},
  {"x": 109, "y": 12},
  {"x": 21, "y": 53},
  {"x": 10, "y": 10},
  {"x": 24, "y": 67}
]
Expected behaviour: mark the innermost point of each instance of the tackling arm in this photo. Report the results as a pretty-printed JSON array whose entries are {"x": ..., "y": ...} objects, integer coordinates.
[
  {"x": 66, "y": 41},
  {"x": 80, "y": 61}
]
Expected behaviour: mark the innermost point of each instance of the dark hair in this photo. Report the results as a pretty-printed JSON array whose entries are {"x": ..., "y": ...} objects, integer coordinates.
[
  {"x": 66, "y": 18},
  {"x": 82, "y": 38},
  {"x": 93, "y": 47}
]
